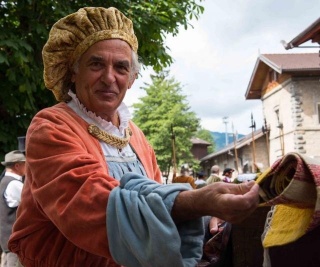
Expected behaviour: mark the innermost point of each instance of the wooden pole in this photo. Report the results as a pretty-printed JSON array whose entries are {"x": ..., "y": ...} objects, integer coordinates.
[
  {"x": 268, "y": 148},
  {"x": 266, "y": 131},
  {"x": 280, "y": 126},
  {"x": 235, "y": 149},
  {"x": 253, "y": 127},
  {"x": 281, "y": 140},
  {"x": 253, "y": 153},
  {"x": 174, "y": 164}
]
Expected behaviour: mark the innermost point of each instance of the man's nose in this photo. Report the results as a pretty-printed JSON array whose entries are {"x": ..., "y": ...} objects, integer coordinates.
[{"x": 108, "y": 76}]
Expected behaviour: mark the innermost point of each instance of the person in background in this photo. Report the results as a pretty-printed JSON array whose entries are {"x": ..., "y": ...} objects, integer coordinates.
[
  {"x": 88, "y": 164},
  {"x": 184, "y": 177},
  {"x": 214, "y": 176},
  {"x": 10, "y": 190},
  {"x": 227, "y": 175},
  {"x": 201, "y": 180}
]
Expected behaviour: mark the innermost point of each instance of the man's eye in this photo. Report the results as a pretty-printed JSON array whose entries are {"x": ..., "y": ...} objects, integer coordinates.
[
  {"x": 96, "y": 65},
  {"x": 123, "y": 67}
]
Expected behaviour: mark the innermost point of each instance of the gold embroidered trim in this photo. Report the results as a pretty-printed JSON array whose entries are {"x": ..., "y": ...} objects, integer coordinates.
[{"x": 110, "y": 139}]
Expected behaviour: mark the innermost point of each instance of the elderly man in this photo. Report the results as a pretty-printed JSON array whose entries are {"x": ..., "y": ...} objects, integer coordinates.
[
  {"x": 93, "y": 194},
  {"x": 214, "y": 176},
  {"x": 10, "y": 190}
]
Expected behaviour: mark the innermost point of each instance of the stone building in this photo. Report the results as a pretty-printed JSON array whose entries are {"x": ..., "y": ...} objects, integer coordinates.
[{"x": 289, "y": 88}]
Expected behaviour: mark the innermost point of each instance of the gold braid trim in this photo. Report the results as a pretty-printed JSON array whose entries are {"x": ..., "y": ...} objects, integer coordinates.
[{"x": 110, "y": 139}]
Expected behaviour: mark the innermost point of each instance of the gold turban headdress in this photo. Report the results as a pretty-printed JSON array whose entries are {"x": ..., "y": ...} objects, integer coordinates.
[{"x": 72, "y": 35}]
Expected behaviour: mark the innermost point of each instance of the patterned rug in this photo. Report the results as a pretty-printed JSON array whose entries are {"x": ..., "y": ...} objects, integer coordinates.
[{"x": 291, "y": 186}]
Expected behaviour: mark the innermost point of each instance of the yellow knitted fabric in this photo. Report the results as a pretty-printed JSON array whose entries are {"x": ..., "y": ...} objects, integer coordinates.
[{"x": 287, "y": 225}]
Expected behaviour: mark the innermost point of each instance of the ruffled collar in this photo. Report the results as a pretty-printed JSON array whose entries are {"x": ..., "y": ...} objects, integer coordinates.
[{"x": 91, "y": 117}]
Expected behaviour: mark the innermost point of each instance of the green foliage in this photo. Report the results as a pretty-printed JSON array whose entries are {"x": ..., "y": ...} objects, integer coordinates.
[
  {"x": 24, "y": 28},
  {"x": 165, "y": 117},
  {"x": 206, "y": 136}
]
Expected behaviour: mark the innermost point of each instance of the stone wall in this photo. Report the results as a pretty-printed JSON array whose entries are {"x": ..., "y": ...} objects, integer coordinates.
[{"x": 296, "y": 128}]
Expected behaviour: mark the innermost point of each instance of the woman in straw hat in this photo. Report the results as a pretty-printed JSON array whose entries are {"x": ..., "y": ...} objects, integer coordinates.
[{"x": 93, "y": 194}]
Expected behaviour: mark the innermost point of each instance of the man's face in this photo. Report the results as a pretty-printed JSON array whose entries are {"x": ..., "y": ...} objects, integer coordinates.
[
  {"x": 20, "y": 168},
  {"x": 103, "y": 76}
]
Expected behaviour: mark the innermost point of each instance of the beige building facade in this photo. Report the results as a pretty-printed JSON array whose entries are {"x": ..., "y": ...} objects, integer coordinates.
[
  {"x": 289, "y": 88},
  {"x": 292, "y": 110}
]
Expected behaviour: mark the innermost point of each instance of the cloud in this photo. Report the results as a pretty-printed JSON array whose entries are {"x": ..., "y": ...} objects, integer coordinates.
[{"x": 215, "y": 59}]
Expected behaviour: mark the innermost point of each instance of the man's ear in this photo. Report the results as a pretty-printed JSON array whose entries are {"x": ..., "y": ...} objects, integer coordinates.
[{"x": 131, "y": 82}]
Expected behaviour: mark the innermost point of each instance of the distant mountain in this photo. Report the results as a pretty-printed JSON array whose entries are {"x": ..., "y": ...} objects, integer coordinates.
[{"x": 220, "y": 139}]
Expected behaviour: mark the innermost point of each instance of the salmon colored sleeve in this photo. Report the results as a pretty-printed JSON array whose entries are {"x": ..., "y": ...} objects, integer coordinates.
[
  {"x": 67, "y": 185},
  {"x": 67, "y": 188}
]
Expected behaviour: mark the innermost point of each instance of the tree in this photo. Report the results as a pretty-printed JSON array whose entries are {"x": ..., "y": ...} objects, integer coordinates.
[
  {"x": 206, "y": 136},
  {"x": 24, "y": 28},
  {"x": 164, "y": 109}
]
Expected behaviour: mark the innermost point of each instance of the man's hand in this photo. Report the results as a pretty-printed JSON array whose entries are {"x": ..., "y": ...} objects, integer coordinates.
[{"x": 227, "y": 201}]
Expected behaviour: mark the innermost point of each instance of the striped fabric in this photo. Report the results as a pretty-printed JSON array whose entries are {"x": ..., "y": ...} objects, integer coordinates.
[{"x": 292, "y": 186}]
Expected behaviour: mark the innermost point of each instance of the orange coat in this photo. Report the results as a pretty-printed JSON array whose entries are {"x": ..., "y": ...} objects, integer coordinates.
[
  {"x": 61, "y": 220},
  {"x": 185, "y": 179}
]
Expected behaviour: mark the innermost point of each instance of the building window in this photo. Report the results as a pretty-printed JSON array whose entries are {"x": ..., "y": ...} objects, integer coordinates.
[{"x": 276, "y": 110}]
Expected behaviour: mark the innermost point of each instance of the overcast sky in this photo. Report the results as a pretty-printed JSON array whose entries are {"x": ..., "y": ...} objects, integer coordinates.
[{"x": 214, "y": 60}]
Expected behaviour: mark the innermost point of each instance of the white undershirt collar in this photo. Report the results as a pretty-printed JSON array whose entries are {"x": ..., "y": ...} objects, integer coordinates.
[{"x": 91, "y": 117}]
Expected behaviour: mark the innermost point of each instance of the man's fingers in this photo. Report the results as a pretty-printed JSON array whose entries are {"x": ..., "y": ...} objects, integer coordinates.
[
  {"x": 246, "y": 187},
  {"x": 214, "y": 225}
]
